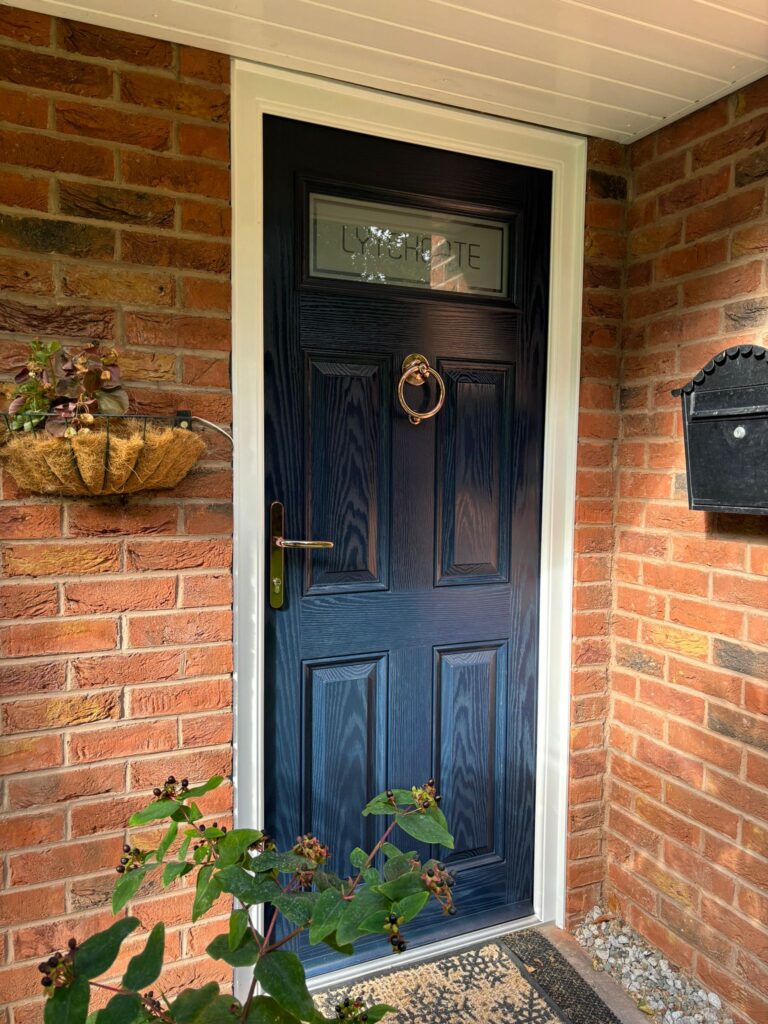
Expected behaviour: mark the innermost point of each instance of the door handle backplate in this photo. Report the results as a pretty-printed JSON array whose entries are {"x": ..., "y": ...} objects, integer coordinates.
[{"x": 277, "y": 547}]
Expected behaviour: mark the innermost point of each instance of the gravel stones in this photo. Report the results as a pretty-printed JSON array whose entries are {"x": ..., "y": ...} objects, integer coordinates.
[{"x": 666, "y": 994}]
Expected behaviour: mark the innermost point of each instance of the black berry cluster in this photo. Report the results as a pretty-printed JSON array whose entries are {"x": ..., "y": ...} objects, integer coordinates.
[
  {"x": 208, "y": 841},
  {"x": 351, "y": 1010},
  {"x": 132, "y": 859},
  {"x": 425, "y": 796},
  {"x": 152, "y": 1004},
  {"x": 396, "y": 938},
  {"x": 171, "y": 790},
  {"x": 439, "y": 883},
  {"x": 58, "y": 970}
]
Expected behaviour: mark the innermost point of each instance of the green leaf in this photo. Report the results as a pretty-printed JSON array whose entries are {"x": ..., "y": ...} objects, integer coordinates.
[
  {"x": 403, "y": 797},
  {"x": 273, "y": 860},
  {"x": 207, "y": 891},
  {"x": 235, "y": 843},
  {"x": 379, "y": 805},
  {"x": 281, "y": 975},
  {"x": 264, "y": 1010},
  {"x": 167, "y": 839},
  {"x": 245, "y": 887},
  {"x": 121, "y": 1009},
  {"x": 157, "y": 809},
  {"x": 218, "y": 1011},
  {"x": 238, "y": 926},
  {"x": 365, "y": 903},
  {"x": 437, "y": 814},
  {"x": 427, "y": 828},
  {"x": 382, "y": 805},
  {"x": 403, "y": 885},
  {"x": 128, "y": 885},
  {"x": 213, "y": 832},
  {"x": 189, "y": 1006},
  {"x": 371, "y": 876},
  {"x": 68, "y": 1005},
  {"x": 176, "y": 869},
  {"x": 327, "y": 880},
  {"x": 145, "y": 967},
  {"x": 358, "y": 857},
  {"x": 411, "y": 905},
  {"x": 297, "y": 907},
  {"x": 213, "y": 783},
  {"x": 376, "y": 1012},
  {"x": 331, "y": 940},
  {"x": 99, "y": 952},
  {"x": 185, "y": 845},
  {"x": 326, "y": 915},
  {"x": 373, "y": 924},
  {"x": 247, "y": 952},
  {"x": 399, "y": 865}
]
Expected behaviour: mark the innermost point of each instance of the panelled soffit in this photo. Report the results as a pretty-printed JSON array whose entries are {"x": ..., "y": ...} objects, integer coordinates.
[{"x": 615, "y": 69}]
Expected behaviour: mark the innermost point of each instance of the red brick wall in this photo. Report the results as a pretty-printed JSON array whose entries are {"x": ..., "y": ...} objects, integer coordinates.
[
  {"x": 114, "y": 224},
  {"x": 687, "y": 807},
  {"x": 114, "y": 615},
  {"x": 603, "y": 307}
]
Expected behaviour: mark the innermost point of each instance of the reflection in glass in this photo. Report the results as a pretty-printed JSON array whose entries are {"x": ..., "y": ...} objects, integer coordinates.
[{"x": 397, "y": 245}]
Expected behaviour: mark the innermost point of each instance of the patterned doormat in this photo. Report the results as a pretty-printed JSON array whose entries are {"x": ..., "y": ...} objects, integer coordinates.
[{"x": 491, "y": 984}]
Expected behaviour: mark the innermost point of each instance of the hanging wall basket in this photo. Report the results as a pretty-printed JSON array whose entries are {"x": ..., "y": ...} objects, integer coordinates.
[{"x": 118, "y": 456}]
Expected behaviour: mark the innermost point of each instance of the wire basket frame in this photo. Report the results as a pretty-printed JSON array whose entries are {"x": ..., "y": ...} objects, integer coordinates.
[{"x": 122, "y": 454}]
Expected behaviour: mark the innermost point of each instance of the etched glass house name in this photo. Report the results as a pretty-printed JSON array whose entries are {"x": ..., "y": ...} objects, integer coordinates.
[{"x": 398, "y": 245}]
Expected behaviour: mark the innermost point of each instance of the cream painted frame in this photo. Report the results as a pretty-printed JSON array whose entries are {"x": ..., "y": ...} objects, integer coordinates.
[{"x": 259, "y": 90}]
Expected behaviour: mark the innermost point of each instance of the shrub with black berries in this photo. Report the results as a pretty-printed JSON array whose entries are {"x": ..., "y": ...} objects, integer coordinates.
[{"x": 386, "y": 890}]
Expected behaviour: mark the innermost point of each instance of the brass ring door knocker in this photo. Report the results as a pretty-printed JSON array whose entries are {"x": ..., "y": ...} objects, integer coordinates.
[{"x": 416, "y": 371}]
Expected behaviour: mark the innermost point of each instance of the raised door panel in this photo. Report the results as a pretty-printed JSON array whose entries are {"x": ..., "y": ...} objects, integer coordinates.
[
  {"x": 469, "y": 746},
  {"x": 473, "y": 475},
  {"x": 345, "y": 714},
  {"x": 348, "y": 446}
]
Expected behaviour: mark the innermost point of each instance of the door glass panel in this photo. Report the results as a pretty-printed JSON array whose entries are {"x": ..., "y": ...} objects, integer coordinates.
[{"x": 398, "y": 245}]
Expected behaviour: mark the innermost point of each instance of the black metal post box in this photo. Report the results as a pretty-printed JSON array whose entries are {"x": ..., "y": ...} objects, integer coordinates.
[{"x": 725, "y": 421}]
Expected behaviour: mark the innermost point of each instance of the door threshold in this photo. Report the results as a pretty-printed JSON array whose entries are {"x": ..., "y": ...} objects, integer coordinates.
[{"x": 430, "y": 951}]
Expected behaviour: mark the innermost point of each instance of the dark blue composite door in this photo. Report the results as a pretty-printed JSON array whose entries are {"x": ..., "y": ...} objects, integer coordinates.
[{"x": 409, "y": 650}]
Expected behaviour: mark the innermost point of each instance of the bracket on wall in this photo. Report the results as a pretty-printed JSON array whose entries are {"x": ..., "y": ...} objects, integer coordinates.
[{"x": 184, "y": 419}]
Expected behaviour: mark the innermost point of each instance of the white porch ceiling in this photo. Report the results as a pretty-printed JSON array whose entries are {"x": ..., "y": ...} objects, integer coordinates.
[{"x": 618, "y": 69}]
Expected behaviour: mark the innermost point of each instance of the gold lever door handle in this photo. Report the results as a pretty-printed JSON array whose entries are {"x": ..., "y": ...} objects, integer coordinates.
[
  {"x": 277, "y": 545},
  {"x": 416, "y": 370},
  {"x": 282, "y": 542}
]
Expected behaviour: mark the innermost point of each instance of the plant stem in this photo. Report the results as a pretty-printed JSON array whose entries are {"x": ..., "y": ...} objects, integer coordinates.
[
  {"x": 110, "y": 988},
  {"x": 292, "y": 935},
  {"x": 268, "y": 934},
  {"x": 249, "y": 999},
  {"x": 127, "y": 992},
  {"x": 260, "y": 943},
  {"x": 263, "y": 950},
  {"x": 371, "y": 856}
]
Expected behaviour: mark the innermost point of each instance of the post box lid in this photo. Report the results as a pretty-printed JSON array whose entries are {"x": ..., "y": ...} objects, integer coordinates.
[{"x": 737, "y": 366}]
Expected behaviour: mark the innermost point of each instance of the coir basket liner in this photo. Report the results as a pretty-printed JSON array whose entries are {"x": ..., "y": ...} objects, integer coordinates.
[{"x": 119, "y": 459}]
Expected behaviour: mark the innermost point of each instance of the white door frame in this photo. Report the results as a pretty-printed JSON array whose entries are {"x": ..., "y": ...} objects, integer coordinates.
[{"x": 259, "y": 90}]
